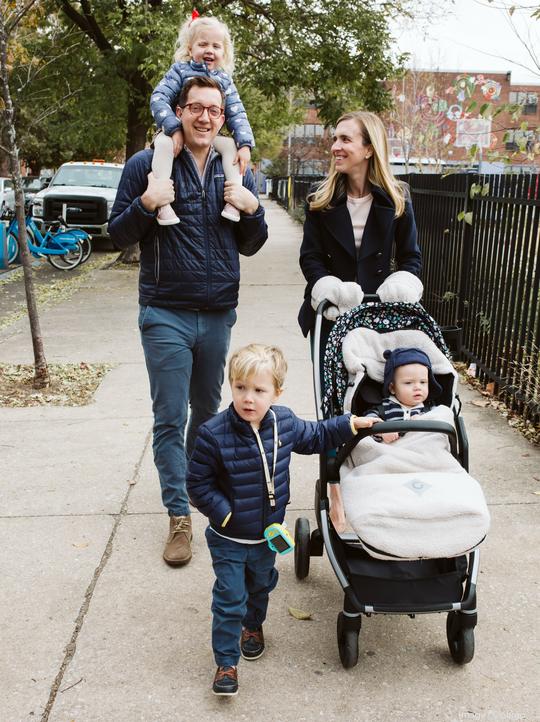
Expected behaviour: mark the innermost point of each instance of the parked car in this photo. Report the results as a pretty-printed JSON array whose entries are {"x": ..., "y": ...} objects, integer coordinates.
[
  {"x": 7, "y": 196},
  {"x": 32, "y": 184},
  {"x": 83, "y": 193}
]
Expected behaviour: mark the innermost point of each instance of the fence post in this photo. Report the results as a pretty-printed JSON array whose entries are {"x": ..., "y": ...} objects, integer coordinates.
[
  {"x": 290, "y": 185},
  {"x": 466, "y": 252}
]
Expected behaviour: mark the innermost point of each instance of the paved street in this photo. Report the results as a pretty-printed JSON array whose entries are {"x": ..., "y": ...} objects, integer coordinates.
[{"x": 95, "y": 627}]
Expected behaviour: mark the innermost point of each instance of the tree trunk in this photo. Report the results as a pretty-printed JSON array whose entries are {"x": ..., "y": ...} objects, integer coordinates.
[
  {"x": 137, "y": 126},
  {"x": 41, "y": 372},
  {"x": 137, "y": 129}
]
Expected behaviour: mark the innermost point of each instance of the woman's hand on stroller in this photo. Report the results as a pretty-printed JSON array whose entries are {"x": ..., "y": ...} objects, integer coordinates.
[{"x": 343, "y": 295}]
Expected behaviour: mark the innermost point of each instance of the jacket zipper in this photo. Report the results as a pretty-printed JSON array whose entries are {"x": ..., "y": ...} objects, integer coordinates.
[
  {"x": 156, "y": 258},
  {"x": 202, "y": 183},
  {"x": 205, "y": 226}
]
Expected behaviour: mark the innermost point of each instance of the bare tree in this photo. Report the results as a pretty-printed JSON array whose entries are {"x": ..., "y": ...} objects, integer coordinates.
[{"x": 9, "y": 20}]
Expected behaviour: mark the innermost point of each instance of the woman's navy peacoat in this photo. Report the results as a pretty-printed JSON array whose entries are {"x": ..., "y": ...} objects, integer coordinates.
[{"x": 328, "y": 248}]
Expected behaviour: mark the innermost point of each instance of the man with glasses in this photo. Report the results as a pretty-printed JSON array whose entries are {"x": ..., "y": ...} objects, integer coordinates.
[{"x": 188, "y": 287}]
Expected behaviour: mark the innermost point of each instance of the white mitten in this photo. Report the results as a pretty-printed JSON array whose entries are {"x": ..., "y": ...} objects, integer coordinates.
[
  {"x": 401, "y": 286},
  {"x": 350, "y": 295},
  {"x": 326, "y": 288}
]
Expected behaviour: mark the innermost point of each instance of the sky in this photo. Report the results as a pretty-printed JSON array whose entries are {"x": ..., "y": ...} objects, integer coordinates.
[{"x": 473, "y": 35}]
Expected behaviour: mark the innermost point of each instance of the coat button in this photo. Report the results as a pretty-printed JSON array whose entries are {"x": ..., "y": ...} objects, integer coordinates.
[
  {"x": 379, "y": 271},
  {"x": 378, "y": 255}
]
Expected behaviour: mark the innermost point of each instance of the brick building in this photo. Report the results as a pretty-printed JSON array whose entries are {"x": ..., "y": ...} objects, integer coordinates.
[{"x": 437, "y": 117}]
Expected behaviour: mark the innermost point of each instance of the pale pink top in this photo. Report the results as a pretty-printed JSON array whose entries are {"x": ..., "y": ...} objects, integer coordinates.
[{"x": 359, "y": 211}]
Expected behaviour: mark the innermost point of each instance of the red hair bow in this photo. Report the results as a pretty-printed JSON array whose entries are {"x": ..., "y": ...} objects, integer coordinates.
[{"x": 194, "y": 15}]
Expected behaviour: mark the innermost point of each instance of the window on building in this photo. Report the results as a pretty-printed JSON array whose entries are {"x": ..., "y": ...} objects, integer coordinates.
[
  {"x": 308, "y": 131},
  {"x": 312, "y": 167},
  {"x": 531, "y": 106},
  {"x": 529, "y": 101},
  {"x": 522, "y": 140}
]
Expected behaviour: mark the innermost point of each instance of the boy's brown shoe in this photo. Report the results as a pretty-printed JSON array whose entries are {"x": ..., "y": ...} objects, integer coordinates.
[
  {"x": 252, "y": 643},
  {"x": 178, "y": 545},
  {"x": 226, "y": 682}
]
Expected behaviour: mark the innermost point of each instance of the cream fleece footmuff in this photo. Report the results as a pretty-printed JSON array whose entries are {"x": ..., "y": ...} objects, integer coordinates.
[{"x": 424, "y": 515}]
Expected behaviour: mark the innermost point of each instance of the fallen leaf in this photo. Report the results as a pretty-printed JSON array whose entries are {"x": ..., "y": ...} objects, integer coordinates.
[
  {"x": 490, "y": 388},
  {"x": 481, "y": 402},
  {"x": 299, "y": 614}
]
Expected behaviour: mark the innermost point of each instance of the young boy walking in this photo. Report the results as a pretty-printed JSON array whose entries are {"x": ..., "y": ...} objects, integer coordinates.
[{"x": 239, "y": 478}]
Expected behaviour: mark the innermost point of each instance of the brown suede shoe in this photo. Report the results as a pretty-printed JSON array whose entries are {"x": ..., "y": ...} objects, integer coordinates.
[
  {"x": 252, "y": 643},
  {"x": 226, "y": 682},
  {"x": 178, "y": 545}
]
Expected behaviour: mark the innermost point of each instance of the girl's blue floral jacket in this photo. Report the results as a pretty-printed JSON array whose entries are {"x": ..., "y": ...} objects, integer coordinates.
[{"x": 163, "y": 101}]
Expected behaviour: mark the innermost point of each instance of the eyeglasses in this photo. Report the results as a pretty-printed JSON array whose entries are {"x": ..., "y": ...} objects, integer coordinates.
[{"x": 214, "y": 111}]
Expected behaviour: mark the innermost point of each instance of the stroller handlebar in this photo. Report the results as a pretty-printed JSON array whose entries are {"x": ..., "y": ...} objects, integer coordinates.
[{"x": 368, "y": 298}]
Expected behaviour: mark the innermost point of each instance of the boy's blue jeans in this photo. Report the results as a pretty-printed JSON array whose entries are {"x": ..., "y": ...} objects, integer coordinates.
[
  {"x": 185, "y": 353},
  {"x": 245, "y": 576}
]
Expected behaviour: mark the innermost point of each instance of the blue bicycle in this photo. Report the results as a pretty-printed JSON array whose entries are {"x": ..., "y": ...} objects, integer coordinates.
[{"x": 64, "y": 249}]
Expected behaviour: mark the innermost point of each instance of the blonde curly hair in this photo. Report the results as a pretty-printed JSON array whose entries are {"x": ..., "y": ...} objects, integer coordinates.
[{"x": 189, "y": 31}]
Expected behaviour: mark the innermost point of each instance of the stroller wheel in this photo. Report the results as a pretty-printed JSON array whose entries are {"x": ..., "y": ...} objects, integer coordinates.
[
  {"x": 347, "y": 640},
  {"x": 301, "y": 547},
  {"x": 460, "y": 639}
]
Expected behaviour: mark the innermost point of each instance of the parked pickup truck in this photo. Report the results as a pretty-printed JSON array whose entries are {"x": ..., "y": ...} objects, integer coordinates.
[{"x": 83, "y": 193}]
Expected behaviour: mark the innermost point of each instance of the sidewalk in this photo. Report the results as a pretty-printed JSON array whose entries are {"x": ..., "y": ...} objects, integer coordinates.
[{"x": 95, "y": 627}]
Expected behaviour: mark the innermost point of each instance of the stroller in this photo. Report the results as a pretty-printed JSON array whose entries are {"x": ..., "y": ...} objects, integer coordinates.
[{"x": 379, "y": 585}]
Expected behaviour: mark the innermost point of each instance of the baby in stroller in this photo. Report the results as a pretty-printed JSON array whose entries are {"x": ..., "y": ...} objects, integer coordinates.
[{"x": 409, "y": 389}]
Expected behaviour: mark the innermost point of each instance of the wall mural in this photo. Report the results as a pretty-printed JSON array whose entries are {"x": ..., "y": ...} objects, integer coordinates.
[{"x": 444, "y": 115}]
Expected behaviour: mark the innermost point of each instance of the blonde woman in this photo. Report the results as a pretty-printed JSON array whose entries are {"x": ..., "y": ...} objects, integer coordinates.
[
  {"x": 204, "y": 48},
  {"x": 354, "y": 219}
]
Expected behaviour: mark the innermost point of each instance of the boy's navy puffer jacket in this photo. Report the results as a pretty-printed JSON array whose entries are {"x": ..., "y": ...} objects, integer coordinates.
[
  {"x": 226, "y": 471},
  {"x": 193, "y": 264}
]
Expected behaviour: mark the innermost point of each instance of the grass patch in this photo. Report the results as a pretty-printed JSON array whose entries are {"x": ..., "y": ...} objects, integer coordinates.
[{"x": 71, "y": 384}]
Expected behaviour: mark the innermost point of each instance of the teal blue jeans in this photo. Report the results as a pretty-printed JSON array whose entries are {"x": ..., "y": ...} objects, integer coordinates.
[
  {"x": 245, "y": 576},
  {"x": 185, "y": 353}
]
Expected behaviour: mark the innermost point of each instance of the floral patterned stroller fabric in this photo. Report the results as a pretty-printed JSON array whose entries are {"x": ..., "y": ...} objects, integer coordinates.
[{"x": 380, "y": 317}]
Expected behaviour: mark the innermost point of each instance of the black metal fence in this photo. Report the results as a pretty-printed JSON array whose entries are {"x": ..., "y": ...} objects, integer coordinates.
[
  {"x": 291, "y": 192},
  {"x": 481, "y": 274}
]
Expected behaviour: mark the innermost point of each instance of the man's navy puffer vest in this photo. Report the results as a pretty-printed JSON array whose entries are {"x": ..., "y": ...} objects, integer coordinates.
[
  {"x": 226, "y": 471},
  {"x": 193, "y": 264}
]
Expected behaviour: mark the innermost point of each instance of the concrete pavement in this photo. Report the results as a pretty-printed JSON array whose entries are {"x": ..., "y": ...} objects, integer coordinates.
[{"x": 94, "y": 626}]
